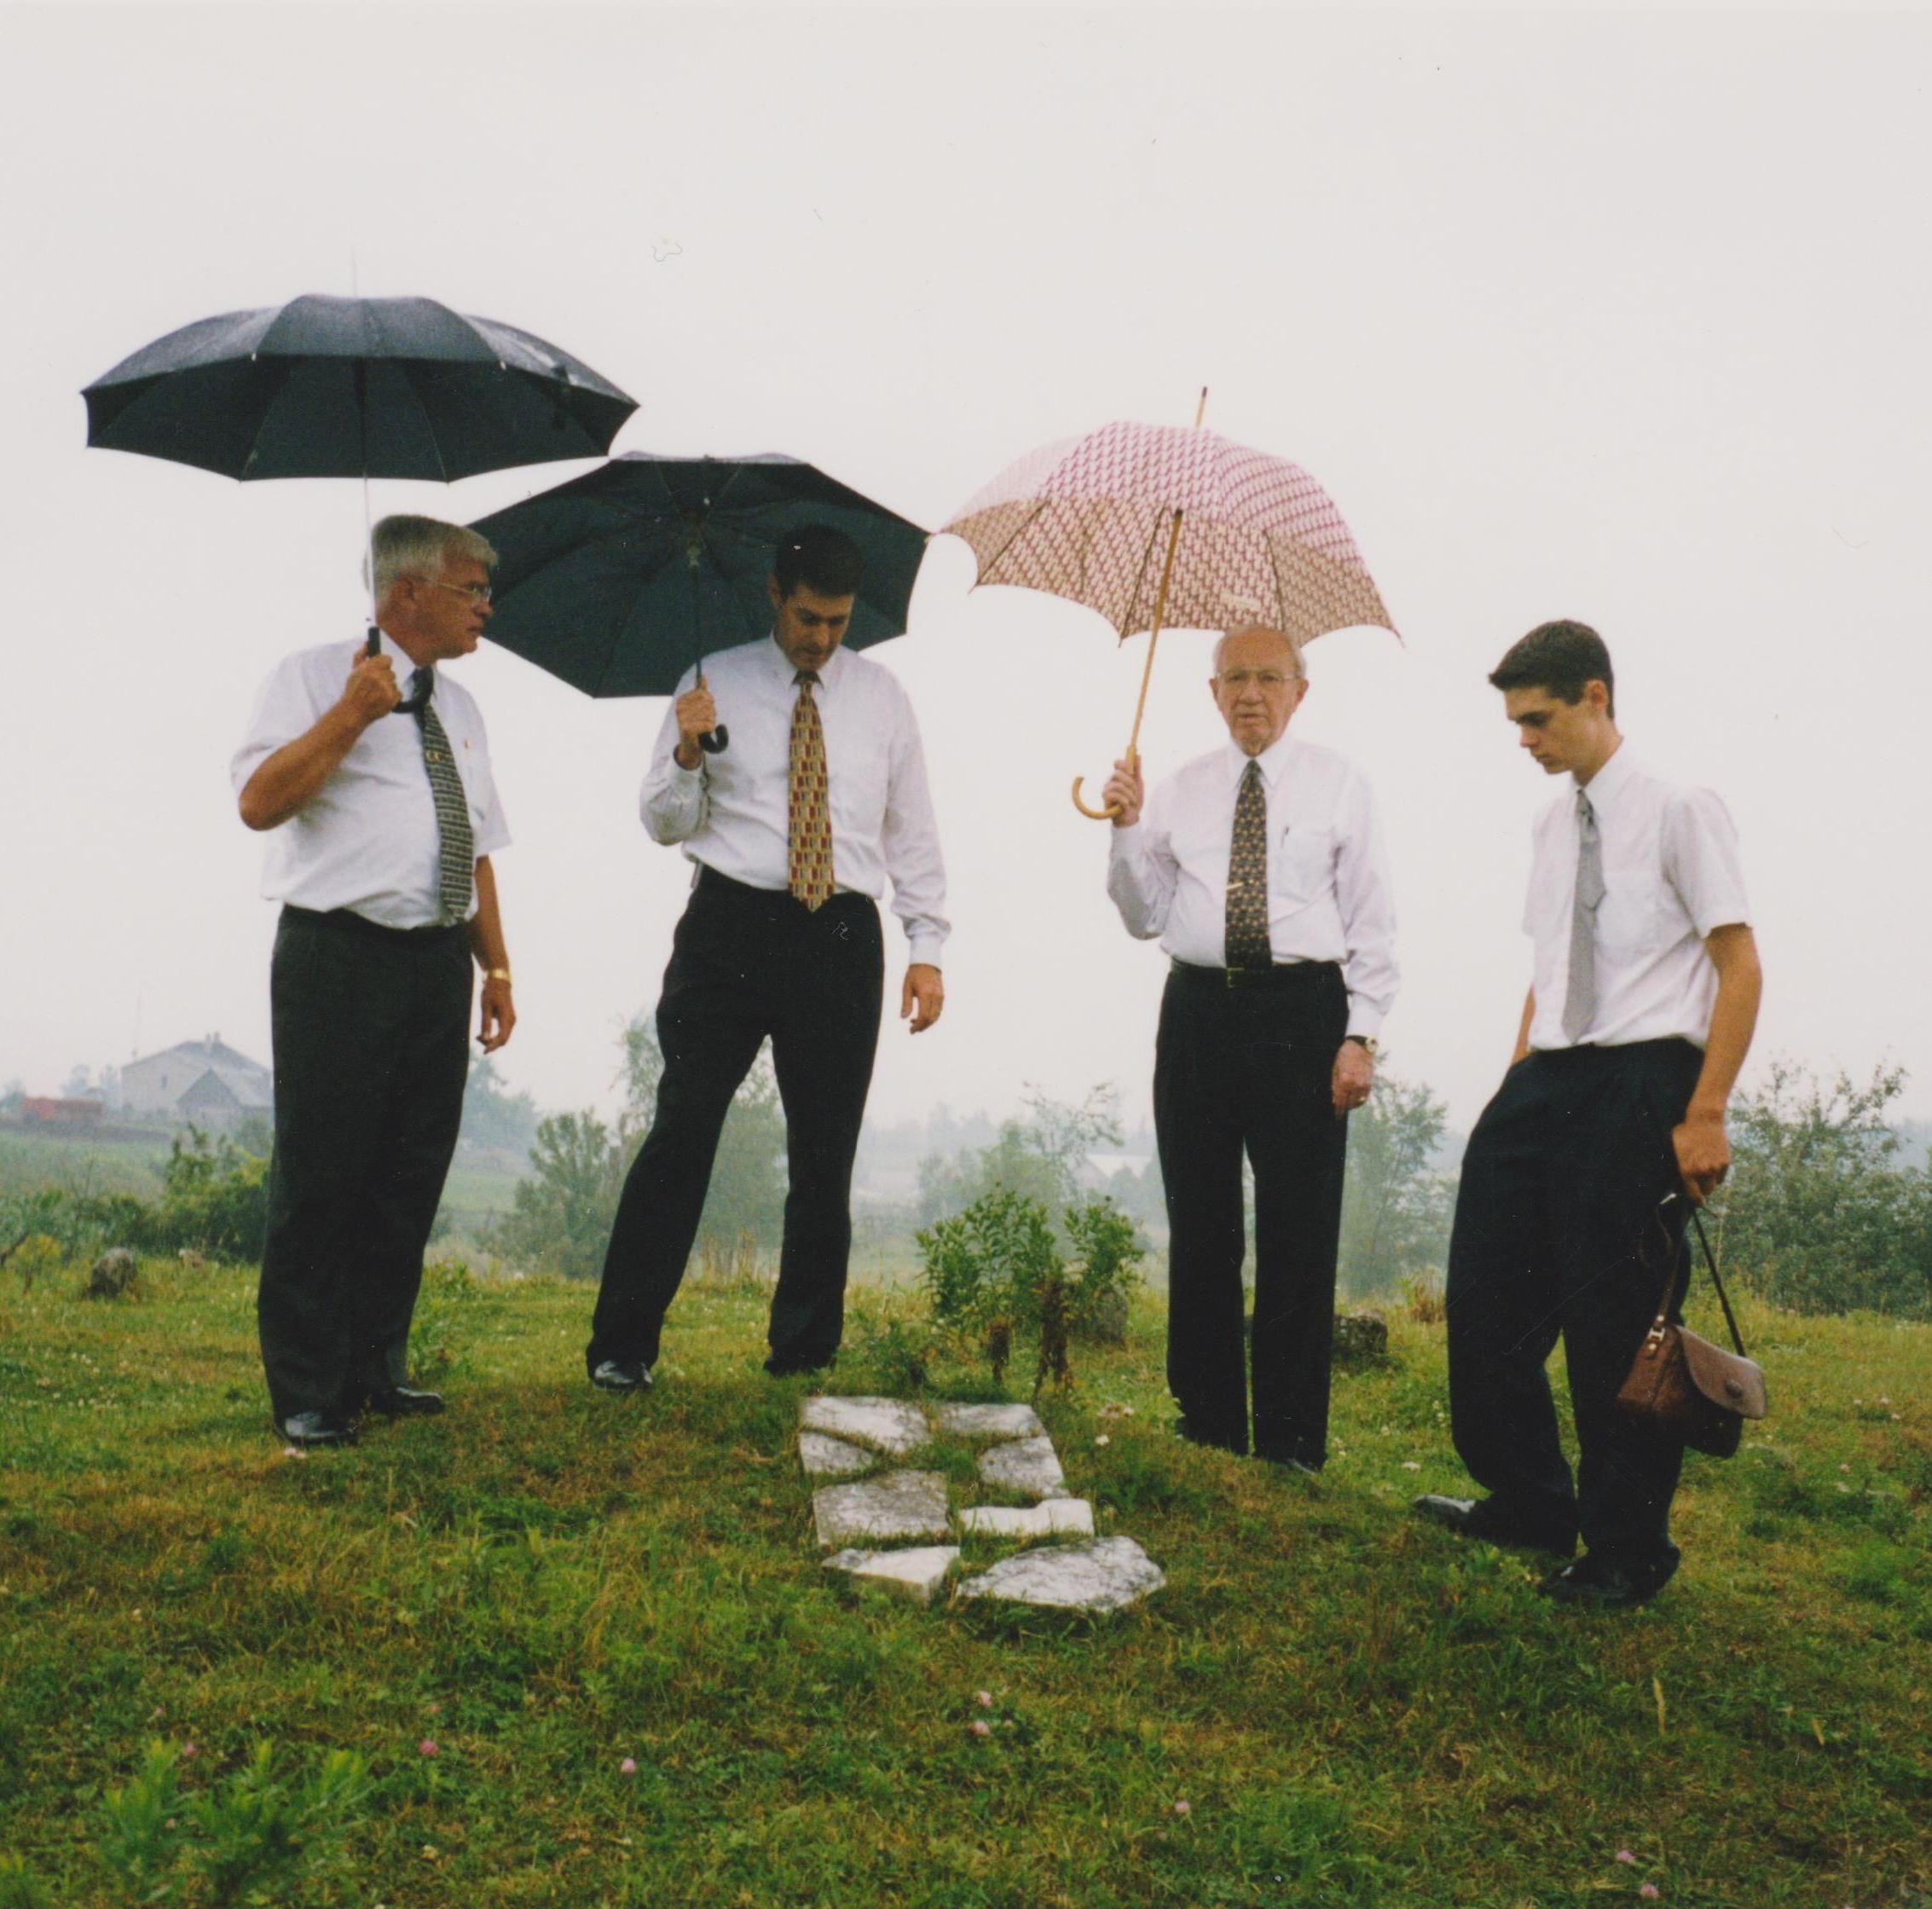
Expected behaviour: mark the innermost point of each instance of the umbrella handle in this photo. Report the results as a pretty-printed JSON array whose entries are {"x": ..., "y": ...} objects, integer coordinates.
[
  {"x": 717, "y": 742},
  {"x": 1105, "y": 814}
]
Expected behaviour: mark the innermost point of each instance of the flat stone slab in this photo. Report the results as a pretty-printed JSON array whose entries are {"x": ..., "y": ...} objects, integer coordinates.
[
  {"x": 899, "y": 1506},
  {"x": 1058, "y": 1518},
  {"x": 990, "y": 1422},
  {"x": 1028, "y": 1464},
  {"x": 826, "y": 1457},
  {"x": 1107, "y": 1575},
  {"x": 887, "y": 1424},
  {"x": 917, "y": 1574}
]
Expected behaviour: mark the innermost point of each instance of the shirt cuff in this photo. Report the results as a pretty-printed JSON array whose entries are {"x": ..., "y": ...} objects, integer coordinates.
[
  {"x": 924, "y": 949},
  {"x": 1363, "y": 1020}
]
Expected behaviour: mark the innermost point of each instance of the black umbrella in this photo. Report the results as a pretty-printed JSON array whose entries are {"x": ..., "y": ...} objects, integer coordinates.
[
  {"x": 353, "y": 388},
  {"x": 618, "y": 580}
]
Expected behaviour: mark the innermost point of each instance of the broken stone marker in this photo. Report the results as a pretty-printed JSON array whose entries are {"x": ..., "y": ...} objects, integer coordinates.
[
  {"x": 990, "y": 1422},
  {"x": 1030, "y": 1466},
  {"x": 1058, "y": 1518},
  {"x": 900, "y": 1505},
  {"x": 1107, "y": 1575},
  {"x": 887, "y": 1424},
  {"x": 826, "y": 1457},
  {"x": 917, "y": 1574}
]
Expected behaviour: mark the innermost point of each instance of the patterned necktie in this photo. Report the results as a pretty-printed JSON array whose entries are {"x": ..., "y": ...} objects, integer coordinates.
[
  {"x": 456, "y": 853},
  {"x": 1580, "y": 996},
  {"x": 811, "y": 813},
  {"x": 1247, "y": 943}
]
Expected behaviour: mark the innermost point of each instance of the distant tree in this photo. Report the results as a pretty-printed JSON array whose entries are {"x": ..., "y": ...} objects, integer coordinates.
[
  {"x": 1040, "y": 1158},
  {"x": 492, "y": 1115},
  {"x": 1823, "y": 1211},
  {"x": 79, "y": 1083},
  {"x": 1396, "y": 1207},
  {"x": 562, "y": 1210}
]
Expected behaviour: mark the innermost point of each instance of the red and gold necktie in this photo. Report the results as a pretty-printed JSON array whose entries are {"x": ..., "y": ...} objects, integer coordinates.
[{"x": 811, "y": 812}]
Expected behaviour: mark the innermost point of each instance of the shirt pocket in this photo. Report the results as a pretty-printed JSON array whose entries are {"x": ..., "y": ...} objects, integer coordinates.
[
  {"x": 1302, "y": 867},
  {"x": 1626, "y": 917},
  {"x": 858, "y": 785}
]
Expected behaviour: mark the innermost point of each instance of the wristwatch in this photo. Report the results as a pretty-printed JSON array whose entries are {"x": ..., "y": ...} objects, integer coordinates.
[{"x": 1366, "y": 1041}]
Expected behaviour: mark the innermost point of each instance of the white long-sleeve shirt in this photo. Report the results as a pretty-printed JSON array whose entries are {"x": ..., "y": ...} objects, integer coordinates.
[
  {"x": 732, "y": 813},
  {"x": 1328, "y": 895},
  {"x": 368, "y": 840},
  {"x": 1671, "y": 874}
]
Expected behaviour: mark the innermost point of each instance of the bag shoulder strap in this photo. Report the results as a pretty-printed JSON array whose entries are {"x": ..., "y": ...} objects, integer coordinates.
[{"x": 1723, "y": 1298}]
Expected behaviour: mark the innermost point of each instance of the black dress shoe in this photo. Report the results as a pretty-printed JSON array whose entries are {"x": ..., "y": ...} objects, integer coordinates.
[
  {"x": 1607, "y": 1583},
  {"x": 1471, "y": 1518},
  {"x": 622, "y": 1375},
  {"x": 405, "y": 1402},
  {"x": 783, "y": 1369},
  {"x": 1299, "y": 1466},
  {"x": 303, "y": 1429}
]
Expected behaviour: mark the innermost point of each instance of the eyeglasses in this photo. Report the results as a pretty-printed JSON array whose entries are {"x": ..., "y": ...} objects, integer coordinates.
[
  {"x": 1267, "y": 679},
  {"x": 477, "y": 592}
]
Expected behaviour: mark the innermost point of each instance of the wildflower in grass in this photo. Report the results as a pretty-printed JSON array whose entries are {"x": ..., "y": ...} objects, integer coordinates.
[
  {"x": 983, "y": 1698},
  {"x": 1181, "y": 1807},
  {"x": 294, "y": 1451},
  {"x": 1624, "y": 1856},
  {"x": 434, "y": 1709},
  {"x": 981, "y": 1728},
  {"x": 189, "y": 1753},
  {"x": 1648, "y": 1892},
  {"x": 627, "y": 1767},
  {"x": 427, "y": 1746},
  {"x": 1412, "y": 1465},
  {"x": 1103, "y": 1440}
]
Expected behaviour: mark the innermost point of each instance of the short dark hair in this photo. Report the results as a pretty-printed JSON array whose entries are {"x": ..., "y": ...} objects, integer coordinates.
[
  {"x": 824, "y": 560},
  {"x": 1560, "y": 657}
]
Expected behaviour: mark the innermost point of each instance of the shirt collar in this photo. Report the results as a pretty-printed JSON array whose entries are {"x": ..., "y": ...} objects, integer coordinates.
[
  {"x": 1610, "y": 782},
  {"x": 1273, "y": 759},
  {"x": 781, "y": 665}
]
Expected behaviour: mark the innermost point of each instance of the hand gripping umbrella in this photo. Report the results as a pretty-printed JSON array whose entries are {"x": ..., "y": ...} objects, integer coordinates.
[
  {"x": 1152, "y": 525},
  {"x": 620, "y": 580},
  {"x": 325, "y": 387}
]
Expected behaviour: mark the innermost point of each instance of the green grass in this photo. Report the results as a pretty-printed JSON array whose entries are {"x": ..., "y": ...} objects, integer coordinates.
[{"x": 1357, "y": 1709}]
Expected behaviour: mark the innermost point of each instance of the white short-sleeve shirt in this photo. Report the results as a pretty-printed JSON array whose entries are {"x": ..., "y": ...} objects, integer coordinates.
[
  {"x": 1671, "y": 875},
  {"x": 367, "y": 840}
]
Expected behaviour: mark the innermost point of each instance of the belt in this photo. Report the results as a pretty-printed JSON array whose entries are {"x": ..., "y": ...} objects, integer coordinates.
[
  {"x": 708, "y": 880},
  {"x": 360, "y": 924},
  {"x": 1286, "y": 975}
]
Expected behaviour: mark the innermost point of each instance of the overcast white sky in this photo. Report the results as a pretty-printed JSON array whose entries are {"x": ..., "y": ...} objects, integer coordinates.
[{"x": 1622, "y": 317}]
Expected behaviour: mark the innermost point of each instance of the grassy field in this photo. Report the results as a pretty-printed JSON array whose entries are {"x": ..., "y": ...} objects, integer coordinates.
[{"x": 1353, "y": 1707}]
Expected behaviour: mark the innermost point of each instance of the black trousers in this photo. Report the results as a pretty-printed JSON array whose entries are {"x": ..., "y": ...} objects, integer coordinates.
[
  {"x": 371, "y": 1032},
  {"x": 748, "y": 963},
  {"x": 1250, "y": 1068},
  {"x": 1558, "y": 1232}
]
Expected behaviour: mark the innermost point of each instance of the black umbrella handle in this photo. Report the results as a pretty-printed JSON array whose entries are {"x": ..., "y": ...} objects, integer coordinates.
[
  {"x": 409, "y": 704},
  {"x": 717, "y": 742}
]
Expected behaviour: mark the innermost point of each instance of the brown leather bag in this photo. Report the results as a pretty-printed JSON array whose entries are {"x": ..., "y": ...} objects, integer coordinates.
[{"x": 1687, "y": 1386}]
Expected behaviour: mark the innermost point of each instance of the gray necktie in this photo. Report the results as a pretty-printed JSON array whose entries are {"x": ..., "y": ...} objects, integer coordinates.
[
  {"x": 1579, "y": 998},
  {"x": 456, "y": 859}
]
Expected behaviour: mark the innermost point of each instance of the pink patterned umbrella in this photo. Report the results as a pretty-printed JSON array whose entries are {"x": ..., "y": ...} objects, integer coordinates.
[{"x": 1152, "y": 525}]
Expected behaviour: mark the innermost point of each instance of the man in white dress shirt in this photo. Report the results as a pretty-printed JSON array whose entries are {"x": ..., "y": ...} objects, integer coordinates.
[
  {"x": 1571, "y": 1208},
  {"x": 1259, "y": 867},
  {"x": 794, "y": 829},
  {"x": 383, "y": 816}
]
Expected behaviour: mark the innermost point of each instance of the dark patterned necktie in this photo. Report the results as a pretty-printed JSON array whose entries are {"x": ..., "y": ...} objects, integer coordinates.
[
  {"x": 1580, "y": 995},
  {"x": 456, "y": 854},
  {"x": 1247, "y": 943},
  {"x": 810, "y": 806}
]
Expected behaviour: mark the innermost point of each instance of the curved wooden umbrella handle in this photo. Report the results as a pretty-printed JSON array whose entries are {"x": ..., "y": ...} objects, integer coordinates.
[{"x": 1105, "y": 814}]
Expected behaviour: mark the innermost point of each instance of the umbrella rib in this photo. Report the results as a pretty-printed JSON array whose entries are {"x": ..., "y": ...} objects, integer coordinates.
[{"x": 1019, "y": 531}]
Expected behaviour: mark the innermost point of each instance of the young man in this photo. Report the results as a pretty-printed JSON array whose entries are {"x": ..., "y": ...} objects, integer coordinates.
[
  {"x": 794, "y": 829},
  {"x": 1258, "y": 865},
  {"x": 1571, "y": 1208},
  {"x": 383, "y": 817}
]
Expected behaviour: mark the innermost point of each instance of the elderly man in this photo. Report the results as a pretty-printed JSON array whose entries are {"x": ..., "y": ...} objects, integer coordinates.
[
  {"x": 796, "y": 829},
  {"x": 382, "y": 816},
  {"x": 1259, "y": 867},
  {"x": 1568, "y": 1217}
]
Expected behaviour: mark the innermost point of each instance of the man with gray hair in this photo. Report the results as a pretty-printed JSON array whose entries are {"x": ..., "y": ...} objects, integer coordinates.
[
  {"x": 1258, "y": 865},
  {"x": 382, "y": 817}
]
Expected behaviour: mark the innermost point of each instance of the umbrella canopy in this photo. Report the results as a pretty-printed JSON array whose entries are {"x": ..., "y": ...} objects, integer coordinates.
[
  {"x": 326, "y": 387},
  {"x": 1090, "y": 518},
  {"x": 620, "y": 580}
]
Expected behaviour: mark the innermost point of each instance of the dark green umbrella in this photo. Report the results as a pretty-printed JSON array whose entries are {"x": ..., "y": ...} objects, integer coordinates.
[
  {"x": 619, "y": 581},
  {"x": 326, "y": 387}
]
